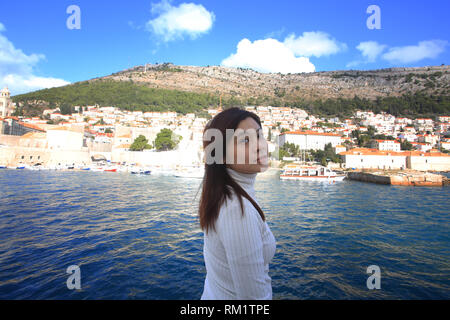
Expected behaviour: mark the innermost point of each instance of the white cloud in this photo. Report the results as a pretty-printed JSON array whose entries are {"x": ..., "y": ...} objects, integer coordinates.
[
  {"x": 409, "y": 54},
  {"x": 16, "y": 69},
  {"x": 314, "y": 43},
  {"x": 370, "y": 50},
  {"x": 26, "y": 83},
  {"x": 188, "y": 19},
  {"x": 268, "y": 55}
]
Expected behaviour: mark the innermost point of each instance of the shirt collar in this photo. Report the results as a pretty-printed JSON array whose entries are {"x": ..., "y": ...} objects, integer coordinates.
[{"x": 245, "y": 180}]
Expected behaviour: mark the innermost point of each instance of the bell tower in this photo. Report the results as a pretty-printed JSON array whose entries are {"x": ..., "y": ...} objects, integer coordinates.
[{"x": 6, "y": 106}]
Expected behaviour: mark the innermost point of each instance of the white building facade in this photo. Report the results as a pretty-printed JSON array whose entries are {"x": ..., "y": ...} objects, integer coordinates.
[{"x": 307, "y": 140}]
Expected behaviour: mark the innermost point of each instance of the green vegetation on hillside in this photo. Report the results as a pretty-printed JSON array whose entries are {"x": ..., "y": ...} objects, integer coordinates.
[
  {"x": 137, "y": 97},
  {"x": 412, "y": 106},
  {"x": 124, "y": 95}
]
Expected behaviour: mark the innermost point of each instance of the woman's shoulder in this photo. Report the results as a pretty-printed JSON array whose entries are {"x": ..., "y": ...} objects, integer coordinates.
[{"x": 231, "y": 209}]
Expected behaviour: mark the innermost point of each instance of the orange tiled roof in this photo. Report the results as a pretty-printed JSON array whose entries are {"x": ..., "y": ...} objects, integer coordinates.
[
  {"x": 104, "y": 134},
  {"x": 123, "y": 146},
  {"x": 381, "y": 140},
  {"x": 31, "y": 126},
  {"x": 60, "y": 128},
  {"x": 128, "y": 135},
  {"x": 376, "y": 152},
  {"x": 313, "y": 133},
  {"x": 34, "y": 135}
]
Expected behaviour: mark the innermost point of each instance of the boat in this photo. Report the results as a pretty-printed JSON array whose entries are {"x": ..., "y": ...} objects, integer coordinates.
[
  {"x": 140, "y": 171},
  {"x": 123, "y": 168},
  {"x": 110, "y": 169},
  {"x": 310, "y": 173},
  {"x": 163, "y": 171},
  {"x": 196, "y": 173}
]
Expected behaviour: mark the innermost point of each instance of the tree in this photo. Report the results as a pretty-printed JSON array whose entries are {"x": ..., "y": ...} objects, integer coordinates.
[
  {"x": 100, "y": 122},
  {"x": 108, "y": 130},
  {"x": 66, "y": 109},
  {"x": 406, "y": 145},
  {"x": 371, "y": 131},
  {"x": 166, "y": 140},
  {"x": 289, "y": 150},
  {"x": 140, "y": 143},
  {"x": 363, "y": 140},
  {"x": 328, "y": 154}
]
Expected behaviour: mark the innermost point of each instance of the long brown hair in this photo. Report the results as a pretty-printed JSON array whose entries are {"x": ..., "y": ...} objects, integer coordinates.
[{"x": 216, "y": 181}]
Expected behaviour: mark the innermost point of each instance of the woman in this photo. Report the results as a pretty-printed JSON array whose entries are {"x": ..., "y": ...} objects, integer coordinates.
[{"x": 238, "y": 244}]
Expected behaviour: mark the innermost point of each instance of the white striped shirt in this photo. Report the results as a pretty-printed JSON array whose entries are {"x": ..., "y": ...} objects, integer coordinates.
[{"x": 238, "y": 252}]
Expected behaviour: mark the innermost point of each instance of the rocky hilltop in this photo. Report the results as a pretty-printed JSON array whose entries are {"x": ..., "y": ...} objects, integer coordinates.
[
  {"x": 249, "y": 84},
  {"x": 411, "y": 92}
]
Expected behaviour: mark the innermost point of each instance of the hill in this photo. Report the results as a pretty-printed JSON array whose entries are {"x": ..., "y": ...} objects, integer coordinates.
[{"x": 400, "y": 91}]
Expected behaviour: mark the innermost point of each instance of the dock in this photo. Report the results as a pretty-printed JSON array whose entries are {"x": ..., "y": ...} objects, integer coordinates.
[{"x": 400, "y": 178}]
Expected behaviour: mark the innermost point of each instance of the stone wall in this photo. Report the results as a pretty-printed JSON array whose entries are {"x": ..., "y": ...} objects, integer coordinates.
[
  {"x": 9, "y": 140},
  {"x": 12, "y": 156}
]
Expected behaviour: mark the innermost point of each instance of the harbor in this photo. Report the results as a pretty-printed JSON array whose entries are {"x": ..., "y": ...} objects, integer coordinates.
[{"x": 138, "y": 237}]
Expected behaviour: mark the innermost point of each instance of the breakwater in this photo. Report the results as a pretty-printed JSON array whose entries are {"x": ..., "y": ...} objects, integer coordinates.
[{"x": 400, "y": 178}]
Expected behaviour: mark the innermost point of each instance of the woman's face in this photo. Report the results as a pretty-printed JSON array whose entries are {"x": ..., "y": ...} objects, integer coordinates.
[{"x": 247, "y": 152}]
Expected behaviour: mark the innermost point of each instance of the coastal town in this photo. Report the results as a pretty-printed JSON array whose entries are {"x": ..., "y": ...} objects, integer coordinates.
[{"x": 103, "y": 134}]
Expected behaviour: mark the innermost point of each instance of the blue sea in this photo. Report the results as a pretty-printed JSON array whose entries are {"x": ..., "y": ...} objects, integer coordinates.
[{"x": 138, "y": 237}]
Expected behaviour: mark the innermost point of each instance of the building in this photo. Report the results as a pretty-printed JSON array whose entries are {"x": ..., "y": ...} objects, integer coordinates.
[
  {"x": 428, "y": 161},
  {"x": 445, "y": 144},
  {"x": 422, "y": 146},
  {"x": 6, "y": 106},
  {"x": 428, "y": 138},
  {"x": 366, "y": 158},
  {"x": 307, "y": 140},
  {"x": 13, "y": 126},
  {"x": 444, "y": 119},
  {"x": 386, "y": 145},
  {"x": 339, "y": 149},
  {"x": 64, "y": 138}
]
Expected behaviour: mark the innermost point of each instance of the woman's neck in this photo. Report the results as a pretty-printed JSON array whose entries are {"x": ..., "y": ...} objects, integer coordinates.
[{"x": 245, "y": 180}]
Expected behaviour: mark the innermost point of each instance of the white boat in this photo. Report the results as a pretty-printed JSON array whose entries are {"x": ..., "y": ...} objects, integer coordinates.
[
  {"x": 310, "y": 173},
  {"x": 123, "y": 169},
  {"x": 196, "y": 173}
]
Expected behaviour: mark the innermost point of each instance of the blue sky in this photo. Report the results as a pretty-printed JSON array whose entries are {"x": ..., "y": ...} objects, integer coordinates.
[{"x": 38, "y": 50}]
